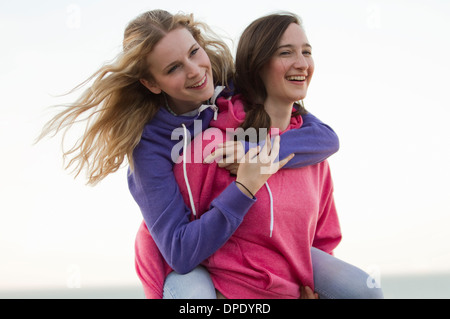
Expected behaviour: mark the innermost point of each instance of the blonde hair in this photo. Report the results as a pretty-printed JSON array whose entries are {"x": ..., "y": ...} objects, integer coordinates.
[{"x": 116, "y": 107}]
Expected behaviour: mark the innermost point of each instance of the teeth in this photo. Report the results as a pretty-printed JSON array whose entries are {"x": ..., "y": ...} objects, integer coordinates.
[
  {"x": 296, "y": 78},
  {"x": 199, "y": 84}
]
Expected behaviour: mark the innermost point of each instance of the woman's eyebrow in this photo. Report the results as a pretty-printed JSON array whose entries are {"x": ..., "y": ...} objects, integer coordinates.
[
  {"x": 292, "y": 46},
  {"x": 285, "y": 46},
  {"x": 169, "y": 66}
]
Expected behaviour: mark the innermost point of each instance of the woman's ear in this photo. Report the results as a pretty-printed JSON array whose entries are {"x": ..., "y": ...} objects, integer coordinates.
[{"x": 151, "y": 86}]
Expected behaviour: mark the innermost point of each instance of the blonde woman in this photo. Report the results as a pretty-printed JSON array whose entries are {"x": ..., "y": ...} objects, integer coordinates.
[{"x": 169, "y": 74}]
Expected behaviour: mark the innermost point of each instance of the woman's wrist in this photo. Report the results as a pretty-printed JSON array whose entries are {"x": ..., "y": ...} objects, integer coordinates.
[
  {"x": 249, "y": 186},
  {"x": 244, "y": 189}
]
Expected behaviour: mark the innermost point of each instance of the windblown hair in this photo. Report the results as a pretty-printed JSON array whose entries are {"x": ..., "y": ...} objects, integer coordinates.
[
  {"x": 117, "y": 106},
  {"x": 256, "y": 47}
]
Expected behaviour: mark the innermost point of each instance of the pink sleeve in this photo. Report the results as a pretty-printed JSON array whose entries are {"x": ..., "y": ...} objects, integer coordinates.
[
  {"x": 328, "y": 231},
  {"x": 150, "y": 265}
]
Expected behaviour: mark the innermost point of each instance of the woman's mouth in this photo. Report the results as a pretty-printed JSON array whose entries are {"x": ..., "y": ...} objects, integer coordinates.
[
  {"x": 201, "y": 84},
  {"x": 296, "y": 78}
]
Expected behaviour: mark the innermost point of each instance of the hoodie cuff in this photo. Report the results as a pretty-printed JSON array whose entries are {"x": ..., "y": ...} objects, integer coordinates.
[{"x": 234, "y": 201}]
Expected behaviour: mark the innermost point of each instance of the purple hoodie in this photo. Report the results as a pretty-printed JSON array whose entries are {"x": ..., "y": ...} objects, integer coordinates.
[{"x": 184, "y": 242}]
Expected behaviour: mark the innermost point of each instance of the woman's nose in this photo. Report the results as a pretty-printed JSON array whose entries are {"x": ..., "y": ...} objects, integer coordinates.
[
  {"x": 193, "y": 70},
  {"x": 301, "y": 62}
]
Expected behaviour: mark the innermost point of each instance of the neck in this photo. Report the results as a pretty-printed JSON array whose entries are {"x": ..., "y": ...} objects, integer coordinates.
[
  {"x": 183, "y": 110},
  {"x": 279, "y": 112},
  {"x": 179, "y": 110}
]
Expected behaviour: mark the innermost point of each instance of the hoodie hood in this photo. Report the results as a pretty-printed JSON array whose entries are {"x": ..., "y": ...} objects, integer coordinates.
[
  {"x": 232, "y": 114},
  {"x": 164, "y": 122}
]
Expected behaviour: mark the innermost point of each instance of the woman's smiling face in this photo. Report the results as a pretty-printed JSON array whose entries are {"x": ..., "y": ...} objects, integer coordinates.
[
  {"x": 180, "y": 68},
  {"x": 288, "y": 73}
]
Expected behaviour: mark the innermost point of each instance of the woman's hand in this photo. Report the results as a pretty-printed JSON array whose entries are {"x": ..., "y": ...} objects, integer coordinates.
[
  {"x": 252, "y": 169},
  {"x": 308, "y": 293},
  {"x": 258, "y": 165},
  {"x": 228, "y": 154}
]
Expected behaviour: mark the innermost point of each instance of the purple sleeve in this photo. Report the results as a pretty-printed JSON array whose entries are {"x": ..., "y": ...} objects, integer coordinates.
[
  {"x": 312, "y": 143},
  {"x": 184, "y": 244}
]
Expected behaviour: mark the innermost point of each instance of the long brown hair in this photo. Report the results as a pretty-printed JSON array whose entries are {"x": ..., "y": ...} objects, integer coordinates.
[
  {"x": 116, "y": 107},
  {"x": 257, "y": 45}
]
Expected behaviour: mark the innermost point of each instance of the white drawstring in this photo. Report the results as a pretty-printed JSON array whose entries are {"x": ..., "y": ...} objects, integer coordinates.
[
  {"x": 201, "y": 109},
  {"x": 207, "y": 106},
  {"x": 191, "y": 199},
  {"x": 217, "y": 91},
  {"x": 271, "y": 208}
]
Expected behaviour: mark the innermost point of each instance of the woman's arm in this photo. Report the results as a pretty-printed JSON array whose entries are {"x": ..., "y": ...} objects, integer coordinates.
[
  {"x": 184, "y": 244},
  {"x": 312, "y": 143},
  {"x": 328, "y": 231}
]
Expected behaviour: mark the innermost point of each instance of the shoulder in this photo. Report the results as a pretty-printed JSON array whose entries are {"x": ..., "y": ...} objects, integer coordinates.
[{"x": 325, "y": 175}]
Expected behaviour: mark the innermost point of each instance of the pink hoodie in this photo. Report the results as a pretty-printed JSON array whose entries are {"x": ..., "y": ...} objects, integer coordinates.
[
  {"x": 269, "y": 254},
  {"x": 258, "y": 261}
]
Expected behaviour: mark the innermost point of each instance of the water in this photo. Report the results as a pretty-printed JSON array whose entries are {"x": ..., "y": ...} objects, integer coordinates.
[
  {"x": 80, "y": 293},
  {"x": 435, "y": 286}
]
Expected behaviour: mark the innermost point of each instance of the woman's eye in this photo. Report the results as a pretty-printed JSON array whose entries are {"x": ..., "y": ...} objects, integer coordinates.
[
  {"x": 307, "y": 53},
  {"x": 194, "y": 52},
  {"x": 285, "y": 53},
  {"x": 172, "y": 69}
]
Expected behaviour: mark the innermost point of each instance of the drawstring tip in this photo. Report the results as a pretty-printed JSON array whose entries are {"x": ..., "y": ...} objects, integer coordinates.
[
  {"x": 271, "y": 209},
  {"x": 215, "y": 113}
]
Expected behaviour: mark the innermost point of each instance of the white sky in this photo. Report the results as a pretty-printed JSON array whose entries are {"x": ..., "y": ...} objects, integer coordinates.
[{"x": 381, "y": 80}]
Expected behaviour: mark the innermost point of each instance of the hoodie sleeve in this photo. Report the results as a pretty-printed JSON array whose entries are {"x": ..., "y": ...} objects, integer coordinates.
[
  {"x": 184, "y": 244},
  {"x": 328, "y": 231},
  {"x": 312, "y": 143}
]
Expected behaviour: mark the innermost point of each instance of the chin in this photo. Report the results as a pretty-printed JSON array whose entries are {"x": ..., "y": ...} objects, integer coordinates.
[{"x": 298, "y": 97}]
